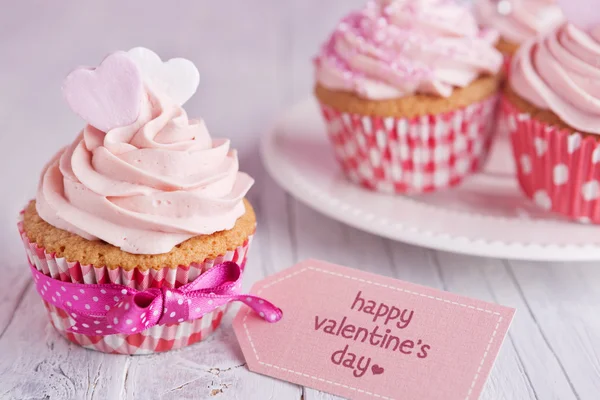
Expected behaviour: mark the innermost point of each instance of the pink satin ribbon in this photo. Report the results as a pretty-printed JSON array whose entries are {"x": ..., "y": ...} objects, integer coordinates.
[{"x": 106, "y": 309}]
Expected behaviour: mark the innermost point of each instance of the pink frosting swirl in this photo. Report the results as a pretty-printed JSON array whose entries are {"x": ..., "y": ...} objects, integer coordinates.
[
  {"x": 560, "y": 72},
  {"x": 392, "y": 49},
  {"x": 518, "y": 20},
  {"x": 145, "y": 187}
]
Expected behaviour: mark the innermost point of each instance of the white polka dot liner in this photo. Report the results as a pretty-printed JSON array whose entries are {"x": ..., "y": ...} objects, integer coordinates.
[
  {"x": 559, "y": 171},
  {"x": 158, "y": 338},
  {"x": 417, "y": 155}
]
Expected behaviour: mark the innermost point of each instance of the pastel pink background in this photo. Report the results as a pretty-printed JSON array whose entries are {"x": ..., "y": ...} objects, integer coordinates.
[
  {"x": 254, "y": 60},
  {"x": 465, "y": 335}
]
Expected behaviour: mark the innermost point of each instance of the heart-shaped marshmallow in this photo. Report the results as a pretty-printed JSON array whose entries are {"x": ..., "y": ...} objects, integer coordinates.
[
  {"x": 178, "y": 78},
  {"x": 108, "y": 96},
  {"x": 584, "y": 14}
]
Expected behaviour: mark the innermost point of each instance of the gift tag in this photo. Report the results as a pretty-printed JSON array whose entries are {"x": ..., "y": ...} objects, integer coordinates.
[{"x": 365, "y": 336}]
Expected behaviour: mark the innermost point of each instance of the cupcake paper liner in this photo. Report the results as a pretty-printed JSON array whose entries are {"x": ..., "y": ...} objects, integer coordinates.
[
  {"x": 557, "y": 169},
  {"x": 156, "y": 339},
  {"x": 506, "y": 65},
  {"x": 417, "y": 155}
]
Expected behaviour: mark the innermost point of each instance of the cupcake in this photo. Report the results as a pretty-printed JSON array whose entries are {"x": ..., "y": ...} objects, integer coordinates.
[
  {"x": 517, "y": 20},
  {"x": 408, "y": 90},
  {"x": 142, "y": 201},
  {"x": 552, "y": 106}
]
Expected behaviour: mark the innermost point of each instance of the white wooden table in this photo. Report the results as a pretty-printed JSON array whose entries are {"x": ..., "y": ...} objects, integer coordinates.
[{"x": 254, "y": 58}]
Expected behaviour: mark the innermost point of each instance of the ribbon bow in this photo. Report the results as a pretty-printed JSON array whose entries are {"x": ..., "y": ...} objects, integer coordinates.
[{"x": 106, "y": 309}]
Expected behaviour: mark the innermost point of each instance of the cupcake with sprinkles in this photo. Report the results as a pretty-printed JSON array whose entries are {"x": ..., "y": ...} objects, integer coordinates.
[
  {"x": 408, "y": 89},
  {"x": 552, "y": 106},
  {"x": 139, "y": 232},
  {"x": 517, "y": 20}
]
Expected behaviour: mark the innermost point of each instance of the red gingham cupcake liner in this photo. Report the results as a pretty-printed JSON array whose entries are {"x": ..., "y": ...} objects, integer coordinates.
[
  {"x": 417, "y": 155},
  {"x": 557, "y": 169},
  {"x": 156, "y": 339}
]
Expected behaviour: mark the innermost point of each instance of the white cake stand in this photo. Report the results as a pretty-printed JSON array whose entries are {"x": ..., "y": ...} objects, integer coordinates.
[{"x": 487, "y": 215}]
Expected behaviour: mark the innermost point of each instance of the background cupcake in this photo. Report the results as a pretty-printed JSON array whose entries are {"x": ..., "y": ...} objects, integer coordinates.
[
  {"x": 408, "y": 89},
  {"x": 143, "y": 197},
  {"x": 517, "y": 20},
  {"x": 552, "y": 104}
]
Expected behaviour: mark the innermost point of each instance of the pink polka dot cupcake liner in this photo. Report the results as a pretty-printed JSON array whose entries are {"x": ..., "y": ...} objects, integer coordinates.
[
  {"x": 557, "y": 169},
  {"x": 416, "y": 155},
  {"x": 158, "y": 338}
]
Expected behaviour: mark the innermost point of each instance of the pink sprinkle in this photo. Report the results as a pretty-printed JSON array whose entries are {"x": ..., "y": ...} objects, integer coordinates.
[
  {"x": 400, "y": 50},
  {"x": 380, "y": 36}
]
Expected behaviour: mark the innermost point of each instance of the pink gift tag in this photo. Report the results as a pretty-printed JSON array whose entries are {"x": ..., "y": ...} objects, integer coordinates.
[{"x": 365, "y": 336}]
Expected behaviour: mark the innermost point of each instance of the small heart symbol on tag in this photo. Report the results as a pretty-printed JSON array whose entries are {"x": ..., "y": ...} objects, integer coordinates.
[
  {"x": 108, "y": 96},
  {"x": 178, "y": 78},
  {"x": 377, "y": 370}
]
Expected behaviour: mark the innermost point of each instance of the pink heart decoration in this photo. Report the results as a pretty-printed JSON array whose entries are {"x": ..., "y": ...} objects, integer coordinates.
[
  {"x": 108, "y": 96},
  {"x": 178, "y": 78},
  {"x": 585, "y": 14},
  {"x": 376, "y": 369}
]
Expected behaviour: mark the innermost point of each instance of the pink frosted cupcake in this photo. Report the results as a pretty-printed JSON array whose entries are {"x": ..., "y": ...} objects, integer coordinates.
[
  {"x": 517, "y": 20},
  {"x": 552, "y": 106},
  {"x": 139, "y": 232},
  {"x": 408, "y": 89}
]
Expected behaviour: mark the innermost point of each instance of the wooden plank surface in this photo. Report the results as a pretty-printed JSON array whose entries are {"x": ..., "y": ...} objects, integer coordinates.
[{"x": 255, "y": 59}]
